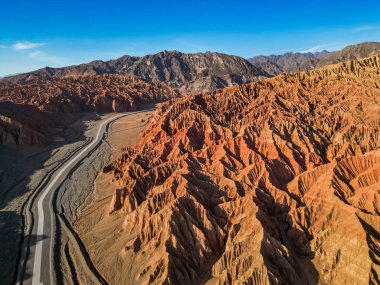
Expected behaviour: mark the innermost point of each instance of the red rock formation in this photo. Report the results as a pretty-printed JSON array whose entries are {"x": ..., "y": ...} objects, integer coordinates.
[
  {"x": 14, "y": 132},
  {"x": 100, "y": 93},
  {"x": 275, "y": 182},
  {"x": 22, "y": 124}
]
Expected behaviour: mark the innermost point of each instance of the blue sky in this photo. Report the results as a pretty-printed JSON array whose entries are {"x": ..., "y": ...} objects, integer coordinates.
[{"x": 36, "y": 33}]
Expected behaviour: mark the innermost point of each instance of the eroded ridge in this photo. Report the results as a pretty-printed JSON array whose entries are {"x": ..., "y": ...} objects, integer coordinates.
[
  {"x": 266, "y": 183},
  {"x": 98, "y": 93}
]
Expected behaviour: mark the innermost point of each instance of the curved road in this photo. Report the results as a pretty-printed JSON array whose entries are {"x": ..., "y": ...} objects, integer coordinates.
[{"x": 36, "y": 266}]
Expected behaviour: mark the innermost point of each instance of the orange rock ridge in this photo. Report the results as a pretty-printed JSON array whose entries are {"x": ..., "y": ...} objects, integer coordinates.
[
  {"x": 99, "y": 93},
  {"x": 274, "y": 182}
]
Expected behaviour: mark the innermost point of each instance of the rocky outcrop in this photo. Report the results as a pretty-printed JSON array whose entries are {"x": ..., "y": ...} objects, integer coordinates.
[
  {"x": 274, "y": 182},
  {"x": 99, "y": 93},
  {"x": 189, "y": 73},
  {"x": 22, "y": 124},
  {"x": 295, "y": 62},
  {"x": 13, "y": 132}
]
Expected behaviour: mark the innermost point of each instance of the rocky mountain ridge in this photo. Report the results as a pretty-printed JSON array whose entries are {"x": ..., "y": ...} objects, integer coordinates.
[
  {"x": 189, "y": 73},
  {"x": 296, "y": 62},
  {"x": 274, "y": 182},
  {"x": 199, "y": 72}
]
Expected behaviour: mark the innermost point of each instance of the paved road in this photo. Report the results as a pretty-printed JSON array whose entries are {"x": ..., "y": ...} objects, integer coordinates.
[{"x": 38, "y": 261}]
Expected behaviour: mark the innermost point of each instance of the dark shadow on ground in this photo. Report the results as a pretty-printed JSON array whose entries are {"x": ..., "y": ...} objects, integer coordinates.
[
  {"x": 293, "y": 266},
  {"x": 10, "y": 229},
  {"x": 372, "y": 238},
  {"x": 18, "y": 163}
]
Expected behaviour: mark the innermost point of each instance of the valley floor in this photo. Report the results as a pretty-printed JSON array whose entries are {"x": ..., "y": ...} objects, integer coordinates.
[
  {"x": 95, "y": 223},
  {"x": 23, "y": 168}
]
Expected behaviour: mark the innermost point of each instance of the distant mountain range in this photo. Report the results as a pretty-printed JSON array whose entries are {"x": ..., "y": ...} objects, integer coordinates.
[
  {"x": 199, "y": 72},
  {"x": 294, "y": 62},
  {"x": 189, "y": 73}
]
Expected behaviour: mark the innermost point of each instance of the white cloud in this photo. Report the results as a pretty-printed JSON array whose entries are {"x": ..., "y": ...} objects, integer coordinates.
[
  {"x": 26, "y": 45},
  {"x": 322, "y": 47},
  {"x": 363, "y": 29},
  {"x": 314, "y": 48}
]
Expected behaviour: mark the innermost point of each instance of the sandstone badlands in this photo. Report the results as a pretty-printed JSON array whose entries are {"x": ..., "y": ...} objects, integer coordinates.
[
  {"x": 97, "y": 93},
  {"x": 274, "y": 182},
  {"x": 22, "y": 124}
]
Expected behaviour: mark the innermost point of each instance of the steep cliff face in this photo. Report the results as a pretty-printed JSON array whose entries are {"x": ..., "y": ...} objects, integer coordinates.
[
  {"x": 275, "y": 182},
  {"x": 100, "y": 93},
  {"x": 190, "y": 73}
]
